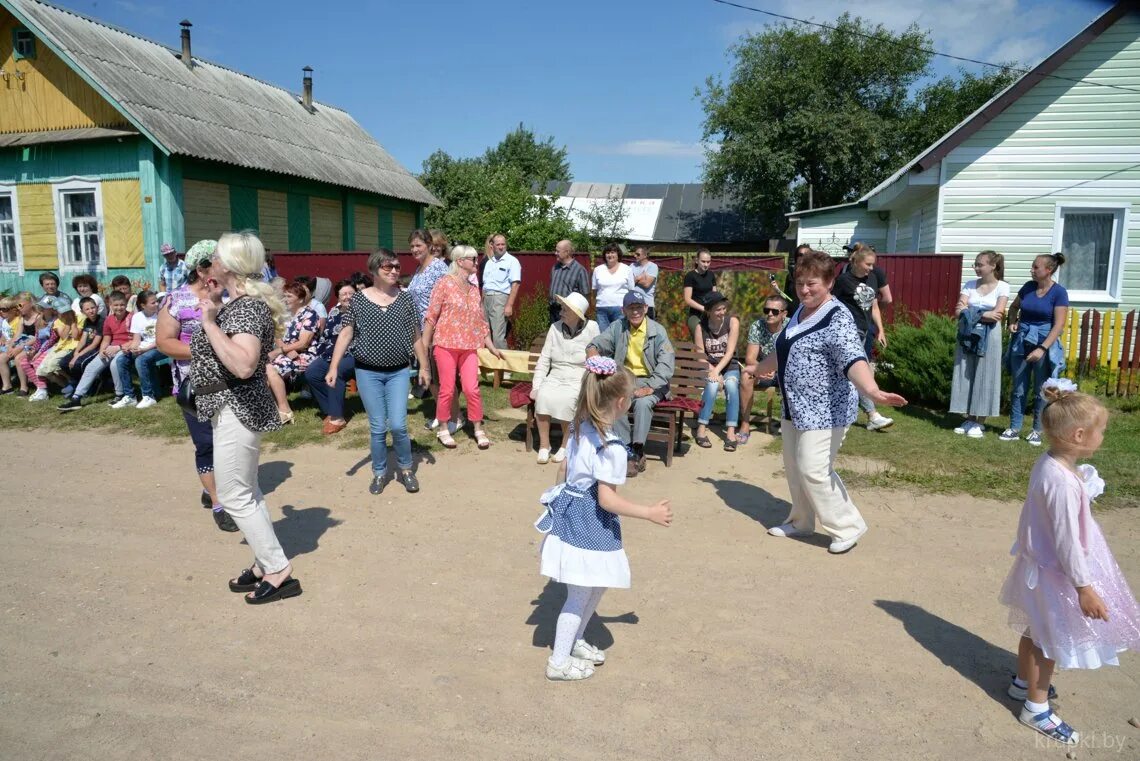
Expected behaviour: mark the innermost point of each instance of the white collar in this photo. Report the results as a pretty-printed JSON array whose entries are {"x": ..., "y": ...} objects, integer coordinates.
[{"x": 795, "y": 327}]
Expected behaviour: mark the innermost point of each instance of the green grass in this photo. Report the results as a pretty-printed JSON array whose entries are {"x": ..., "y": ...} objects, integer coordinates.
[
  {"x": 165, "y": 421},
  {"x": 921, "y": 452}
]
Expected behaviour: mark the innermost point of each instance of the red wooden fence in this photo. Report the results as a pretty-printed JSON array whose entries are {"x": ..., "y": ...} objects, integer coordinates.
[{"x": 919, "y": 282}]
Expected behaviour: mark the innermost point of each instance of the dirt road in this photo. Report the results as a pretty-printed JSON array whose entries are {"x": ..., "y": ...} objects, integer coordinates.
[{"x": 424, "y": 626}]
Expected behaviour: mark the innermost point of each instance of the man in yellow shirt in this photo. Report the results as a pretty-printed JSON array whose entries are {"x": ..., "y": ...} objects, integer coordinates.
[{"x": 642, "y": 346}]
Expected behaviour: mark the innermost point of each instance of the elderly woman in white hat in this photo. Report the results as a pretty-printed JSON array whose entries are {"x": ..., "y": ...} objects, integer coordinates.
[{"x": 558, "y": 374}]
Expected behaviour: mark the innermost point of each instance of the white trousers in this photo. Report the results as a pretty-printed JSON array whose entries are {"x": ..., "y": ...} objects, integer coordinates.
[
  {"x": 236, "y": 453},
  {"x": 817, "y": 490}
]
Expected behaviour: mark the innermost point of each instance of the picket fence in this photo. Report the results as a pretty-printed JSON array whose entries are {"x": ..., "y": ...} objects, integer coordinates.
[{"x": 1103, "y": 347}]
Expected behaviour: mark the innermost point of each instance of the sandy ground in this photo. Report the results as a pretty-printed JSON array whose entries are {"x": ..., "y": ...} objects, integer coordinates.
[{"x": 424, "y": 626}]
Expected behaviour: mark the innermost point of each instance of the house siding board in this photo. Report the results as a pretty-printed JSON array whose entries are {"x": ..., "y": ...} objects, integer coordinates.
[
  {"x": 325, "y": 221},
  {"x": 51, "y": 162},
  {"x": 300, "y": 227},
  {"x": 1061, "y": 143},
  {"x": 403, "y": 222},
  {"x": 829, "y": 231},
  {"x": 243, "y": 208},
  {"x": 206, "y": 209},
  {"x": 51, "y": 96},
  {"x": 273, "y": 219},
  {"x": 367, "y": 227}
]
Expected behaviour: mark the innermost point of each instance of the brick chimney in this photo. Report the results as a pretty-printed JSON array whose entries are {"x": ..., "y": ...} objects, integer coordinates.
[
  {"x": 307, "y": 89},
  {"x": 186, "y": 58}
]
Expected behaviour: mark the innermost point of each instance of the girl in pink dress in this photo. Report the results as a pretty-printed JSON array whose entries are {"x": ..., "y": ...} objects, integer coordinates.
[{"x": 1065, "y": 592}]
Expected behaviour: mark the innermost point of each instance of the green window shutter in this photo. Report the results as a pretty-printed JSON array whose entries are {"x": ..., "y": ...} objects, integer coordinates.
[
  {"x": 300, "y": 229},
  {"x": 386, "y": 229},
  {"x": 243, "y": 208}
]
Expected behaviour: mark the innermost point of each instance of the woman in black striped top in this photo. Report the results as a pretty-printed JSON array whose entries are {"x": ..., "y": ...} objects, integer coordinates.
[{"x": 382, "y": 331}]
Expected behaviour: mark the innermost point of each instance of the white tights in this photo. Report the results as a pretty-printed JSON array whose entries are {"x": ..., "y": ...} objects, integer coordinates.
[{"x": 580, "y": 605}]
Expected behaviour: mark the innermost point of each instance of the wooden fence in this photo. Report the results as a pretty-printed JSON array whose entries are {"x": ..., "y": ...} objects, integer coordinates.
[{"x": 1103, "y": 347}]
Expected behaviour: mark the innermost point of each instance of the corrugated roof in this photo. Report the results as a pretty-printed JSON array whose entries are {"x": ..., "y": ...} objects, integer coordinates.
[
  {"x": 686, "y": 213},
  {"x": 218, "y": 114}
]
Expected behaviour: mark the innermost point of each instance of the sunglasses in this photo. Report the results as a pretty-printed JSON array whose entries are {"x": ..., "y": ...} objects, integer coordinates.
[
  {"x": 390, "y": 267},
  {"x": 772, "y": 311}
]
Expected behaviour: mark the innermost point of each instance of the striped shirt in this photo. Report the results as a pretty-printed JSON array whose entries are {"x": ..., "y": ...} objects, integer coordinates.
[{"x": 568, "y": 278}]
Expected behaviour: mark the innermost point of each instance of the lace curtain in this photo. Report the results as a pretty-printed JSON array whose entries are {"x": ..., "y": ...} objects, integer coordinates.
[{"x": 1087, "y": 245}]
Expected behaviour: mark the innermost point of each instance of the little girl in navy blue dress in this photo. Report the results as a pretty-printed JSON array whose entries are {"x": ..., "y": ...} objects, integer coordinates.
[{"x": 582, "y": 548}]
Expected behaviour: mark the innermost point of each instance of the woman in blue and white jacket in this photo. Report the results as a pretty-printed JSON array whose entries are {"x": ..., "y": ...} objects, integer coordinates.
[{"x": 820, "y": 363}]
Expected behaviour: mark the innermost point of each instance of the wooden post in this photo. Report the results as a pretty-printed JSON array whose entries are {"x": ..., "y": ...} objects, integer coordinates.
[
  {"x": 1125, "y": 365},
  {"x": 1134, "y": 365},
  {"x": 1094, "y": 342},
  {"x": 1082, "y": 361}
]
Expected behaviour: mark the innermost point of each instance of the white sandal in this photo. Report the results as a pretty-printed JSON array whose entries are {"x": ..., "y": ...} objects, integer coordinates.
[
  {"x": 481, "y": 439},
  {"x": 543, "y": 456},
  {"x": 445, "y": 438},
  {"x": 572, "y": 670},
  {"x": 587, "y": 652}
]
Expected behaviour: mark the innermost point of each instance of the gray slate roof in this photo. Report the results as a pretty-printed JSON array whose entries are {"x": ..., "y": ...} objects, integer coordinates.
[
  {"x": 218, "y": 114},
  {"x": 686, "y": 215}
]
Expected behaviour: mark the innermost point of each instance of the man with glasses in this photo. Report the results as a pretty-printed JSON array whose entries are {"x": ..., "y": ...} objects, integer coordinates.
[
  {"x": 502, "y": 274},
  {"x": 642, "y": 346},
  {"x": 761, "y": 342}
]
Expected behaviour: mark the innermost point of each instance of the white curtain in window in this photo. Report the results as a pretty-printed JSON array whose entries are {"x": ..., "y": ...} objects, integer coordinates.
[{"x": 1087, "y": 245}]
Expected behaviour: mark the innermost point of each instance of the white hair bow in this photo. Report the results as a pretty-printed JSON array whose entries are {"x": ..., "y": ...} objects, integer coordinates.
[
  {"x": 1061, "y": 384},
  {"x": 1092, "y": 482}
]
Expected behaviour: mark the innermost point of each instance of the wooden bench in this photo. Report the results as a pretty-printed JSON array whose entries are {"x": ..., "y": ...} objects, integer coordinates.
[{"x": 685, "y": 390}]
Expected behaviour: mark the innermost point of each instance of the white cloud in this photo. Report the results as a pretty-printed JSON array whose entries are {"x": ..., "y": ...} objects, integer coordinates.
[
  {"x": 989, "y": 30},
  {"x": 658, "y": 148}
]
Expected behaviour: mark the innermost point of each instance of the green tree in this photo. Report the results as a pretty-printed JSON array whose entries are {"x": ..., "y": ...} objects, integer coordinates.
[
  {"x": 941, "y": 106},
  {"x": 604, "y": 222},
  {"x": 832, "y": 108},
  {"x": 479, "y": 199},
  {"x": 538, "y": 161}
]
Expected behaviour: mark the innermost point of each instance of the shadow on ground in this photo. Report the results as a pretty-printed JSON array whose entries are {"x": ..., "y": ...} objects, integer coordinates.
[
  {"x": 270, "y": 475},
  {"x": 976, "y": 660},
  {"x": 544, "y": 619},
  {"x": 300, "y": 531}
]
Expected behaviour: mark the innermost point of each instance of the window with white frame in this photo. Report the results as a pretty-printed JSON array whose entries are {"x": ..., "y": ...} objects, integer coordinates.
[
  {"x": 79, "y": 226},
  {"x": 11, "y": 259},
  {"x": 1092, "y": 239}
]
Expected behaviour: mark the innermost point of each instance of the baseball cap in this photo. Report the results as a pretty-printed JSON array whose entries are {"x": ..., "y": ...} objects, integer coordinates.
[
  {"x": 712, "y": 298},
  {"x": 634, "y": 297},
  {"x": 56, "y": 303}
]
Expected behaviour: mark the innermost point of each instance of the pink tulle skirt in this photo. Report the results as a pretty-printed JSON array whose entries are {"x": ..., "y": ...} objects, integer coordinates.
[{"x": 1044, "y": 602}]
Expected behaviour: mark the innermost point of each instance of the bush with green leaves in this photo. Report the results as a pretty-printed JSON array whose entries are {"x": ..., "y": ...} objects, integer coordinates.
[
  {"x": 747, "y": 290},
  {"x": 918, "y": 361},
  {"x": 532, "y": 318}
]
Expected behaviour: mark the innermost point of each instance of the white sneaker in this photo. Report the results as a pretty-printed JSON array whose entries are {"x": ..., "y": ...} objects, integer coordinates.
[
  {"x": 126, "y": 401},
  {"x": 879, "y": 422},
  {"x": 587, "y": 652},
  {"x": 570, "y": 671},
  {"x": 976, "y": 431},
  {"x": 838, "y": 548},
  {"x": 146, "y": 401},
  {"x": 788, "y": 529},
  {"x": 433, "y": 425},
  {"x": 559, "y": 456},
  {"x": 966, "y": 425},
  {"x": 41, "y": 395},
  {"x": 543, "y": 456}
]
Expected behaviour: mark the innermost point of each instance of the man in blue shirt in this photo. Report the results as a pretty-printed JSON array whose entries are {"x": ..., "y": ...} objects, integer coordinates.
[{"x": 502, "y": 274}]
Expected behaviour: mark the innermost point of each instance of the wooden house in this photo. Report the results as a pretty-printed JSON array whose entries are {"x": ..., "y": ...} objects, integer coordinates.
[
  {"x": 1052, "y": 163},
  {"x": 111, "y": 145}
]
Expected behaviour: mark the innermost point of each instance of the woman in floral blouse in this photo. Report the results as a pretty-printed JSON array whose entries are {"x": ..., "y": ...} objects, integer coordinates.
[
  {"x": 291, "y": 356},
  {"x": 821, "y": 364},
  {"x": 456, "y": 329},
  {"x": 331, "y": 399}
]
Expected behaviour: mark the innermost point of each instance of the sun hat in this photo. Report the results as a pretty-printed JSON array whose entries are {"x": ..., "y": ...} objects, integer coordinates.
[
  {"x": 712, "y": 298},
  {"x": 200, "y": 253},
  {"x": 576, "y": 303}
]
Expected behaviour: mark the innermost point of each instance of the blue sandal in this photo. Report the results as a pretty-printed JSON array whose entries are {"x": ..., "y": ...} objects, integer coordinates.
[{"x": 1049, "y": 724}]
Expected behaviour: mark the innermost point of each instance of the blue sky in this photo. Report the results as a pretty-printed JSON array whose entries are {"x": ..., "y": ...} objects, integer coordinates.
[{"x": 613, "y": 81}]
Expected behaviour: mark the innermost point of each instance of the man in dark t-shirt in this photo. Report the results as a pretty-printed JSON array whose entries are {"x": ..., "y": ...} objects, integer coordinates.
[{"x": 699, "y": 282}]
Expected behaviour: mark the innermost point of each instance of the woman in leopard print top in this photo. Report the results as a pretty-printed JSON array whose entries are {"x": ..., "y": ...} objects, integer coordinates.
[{"x": 227, "y": 366}]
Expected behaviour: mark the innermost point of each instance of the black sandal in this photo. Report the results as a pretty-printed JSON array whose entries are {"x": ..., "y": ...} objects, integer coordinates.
[
  {"x": 730, "y": 446},
  {"x": 703, "y": 442},
  {"x": 246, "y": 582},
  {"x": 266, "y": 592}
]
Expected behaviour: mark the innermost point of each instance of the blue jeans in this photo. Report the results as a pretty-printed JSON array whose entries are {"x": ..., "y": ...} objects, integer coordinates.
[
  {"x": 385, "y": 397},
  {"x": 330, "y": 400},
  {"x": 731, "y": 394},
  {"x": 1023, "y": 373},
  {"x": 144, "y": 366},
  {"x": 607, "y": 315}
]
